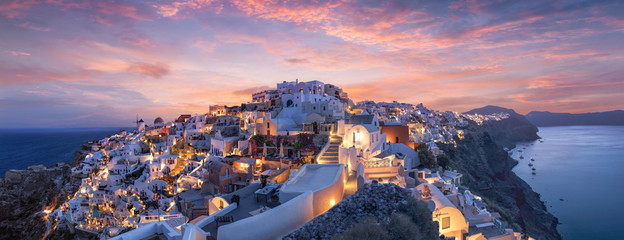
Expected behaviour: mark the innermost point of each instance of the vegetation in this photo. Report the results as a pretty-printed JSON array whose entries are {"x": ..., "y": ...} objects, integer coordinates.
[
  {"x": 235, "y": 199},
  {"x": 427, "y": 160},
  {"x": 259, "y": 139},
  {"x": 180, "y": 147},
  {"x": 366, "y": 229},
  {"x": 443, "y": 161},
  {"x": 420, "y": 214},
  {"x": 411, "y": 221}
]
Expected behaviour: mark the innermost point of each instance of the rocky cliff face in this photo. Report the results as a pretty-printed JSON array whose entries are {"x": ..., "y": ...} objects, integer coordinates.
[
  {"x": 375, "y": 201},
  {"x": 487, "y": 171},
  {"x": 24, "y": 194}
]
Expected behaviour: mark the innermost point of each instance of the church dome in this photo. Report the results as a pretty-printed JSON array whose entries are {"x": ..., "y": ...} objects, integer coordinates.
[{"x": 158, "y": 120}]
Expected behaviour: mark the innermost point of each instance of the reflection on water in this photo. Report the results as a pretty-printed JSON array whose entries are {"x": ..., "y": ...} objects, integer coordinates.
[{"x": 578, "y": 172}]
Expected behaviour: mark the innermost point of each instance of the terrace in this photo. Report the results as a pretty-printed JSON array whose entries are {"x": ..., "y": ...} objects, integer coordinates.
[{"x": 249, "y": 206}]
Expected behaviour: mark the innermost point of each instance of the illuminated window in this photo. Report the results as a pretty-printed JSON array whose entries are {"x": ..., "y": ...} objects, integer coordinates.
[{"x": 446, "y": 222}]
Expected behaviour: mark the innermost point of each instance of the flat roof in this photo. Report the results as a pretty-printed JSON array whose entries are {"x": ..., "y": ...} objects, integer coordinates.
[
  {"x": 248, "y": 203},
  {"x": 313, "y": 177}
]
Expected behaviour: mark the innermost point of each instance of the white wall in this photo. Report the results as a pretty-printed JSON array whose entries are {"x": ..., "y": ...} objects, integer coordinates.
[{"x": 272, "y": 224}]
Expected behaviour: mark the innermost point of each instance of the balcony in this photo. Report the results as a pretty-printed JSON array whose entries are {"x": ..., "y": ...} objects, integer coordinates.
[{"x": 221, "y": 178}]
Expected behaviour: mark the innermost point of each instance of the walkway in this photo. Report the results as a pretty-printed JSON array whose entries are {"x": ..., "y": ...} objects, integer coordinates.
[{"x": 331, "y": 154}]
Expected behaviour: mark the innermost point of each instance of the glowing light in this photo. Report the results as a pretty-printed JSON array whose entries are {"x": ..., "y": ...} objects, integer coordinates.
[{"x": 332, "y": 202}]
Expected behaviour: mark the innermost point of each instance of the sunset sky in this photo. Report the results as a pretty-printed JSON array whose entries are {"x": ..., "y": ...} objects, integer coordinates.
[{"x": 99, "y": 63}]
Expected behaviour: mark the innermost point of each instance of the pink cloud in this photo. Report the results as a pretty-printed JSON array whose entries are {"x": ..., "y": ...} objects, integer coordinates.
[{"x": 156, "y": 70}]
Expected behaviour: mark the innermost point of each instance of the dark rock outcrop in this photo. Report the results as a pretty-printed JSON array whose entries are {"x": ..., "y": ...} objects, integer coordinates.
[
  {"x": 508, "y": 132},
  {"x": 376, "y": 201},
  {"x": 487, "y": 172},
  {"x": 25, "y": 193}
]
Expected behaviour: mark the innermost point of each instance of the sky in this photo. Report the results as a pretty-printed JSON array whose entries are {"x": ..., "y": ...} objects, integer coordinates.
[{"x": 94, "y": 63}]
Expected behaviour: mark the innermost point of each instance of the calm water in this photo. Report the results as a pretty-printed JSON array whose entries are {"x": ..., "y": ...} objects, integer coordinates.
[
  {"x": 583, "y": 165},
  {"x": 20, "y": 148}
]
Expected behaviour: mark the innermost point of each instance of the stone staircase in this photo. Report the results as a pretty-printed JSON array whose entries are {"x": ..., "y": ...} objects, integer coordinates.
[{"x": 331, "y": 154}]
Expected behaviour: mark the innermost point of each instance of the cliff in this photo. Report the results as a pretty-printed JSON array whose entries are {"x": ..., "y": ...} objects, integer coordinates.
[
  {"x": 545, "y": 119},
  {"x": 508, "y": 132},
  {"x": 24, "y": 194},
  {"x": 487, "y": 172}
]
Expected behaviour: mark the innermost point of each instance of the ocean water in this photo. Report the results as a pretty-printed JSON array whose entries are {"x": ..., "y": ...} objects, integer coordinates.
[
  {"x": 20, "y": 148},
  {"x": 580, "y": 175}
]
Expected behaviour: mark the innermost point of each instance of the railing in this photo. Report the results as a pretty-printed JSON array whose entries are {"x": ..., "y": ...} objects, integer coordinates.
[
  {"x": 221, "y": 178},
  {"x": 318, "y": 156}
]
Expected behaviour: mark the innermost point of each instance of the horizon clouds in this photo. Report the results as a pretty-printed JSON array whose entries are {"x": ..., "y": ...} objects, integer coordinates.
[{"x": 89, "y": 63}]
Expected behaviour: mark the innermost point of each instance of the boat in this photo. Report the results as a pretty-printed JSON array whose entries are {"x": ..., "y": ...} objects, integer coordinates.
[
  {"x": 530, "y": 164},
  {"x": 519, "y": 150},
  {"x": 533, "y": 173},
  {"x": 532, "y": 159},
  {"x": 533, "y": 169},
  {"x": 541, "y": 140},
  {"x": 521, "y": 157}
]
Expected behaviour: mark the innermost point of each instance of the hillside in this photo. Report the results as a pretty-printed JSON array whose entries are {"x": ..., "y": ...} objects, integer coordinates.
[
  {"x": 545, "y": 119},
  {"x": 509, "y": 131},
  {"x": 487, "y": 172}
]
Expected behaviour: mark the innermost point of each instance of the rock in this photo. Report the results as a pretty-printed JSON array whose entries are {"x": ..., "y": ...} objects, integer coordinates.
[
  {"x": 25, "y": 193},
  {"x": 486, "y": 168},
  {"x": 372, "y": 200}
]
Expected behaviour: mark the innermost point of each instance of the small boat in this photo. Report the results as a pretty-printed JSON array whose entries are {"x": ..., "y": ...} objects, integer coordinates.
[
  {"x": 530, "y": 164},
  {"x": 532, "y": 159},
  {"x": 520, "y": 150},
  {"x": 521, "y": 157},
  {"x": 533, "y": 169},
  {"x": 533, "y": 173},
  {"x": 541, "y": 140}
]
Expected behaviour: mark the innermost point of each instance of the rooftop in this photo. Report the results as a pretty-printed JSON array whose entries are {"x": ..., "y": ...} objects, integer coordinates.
[
  {"x": 248, "y": 204},
  {"x": 313, "y": 177}
]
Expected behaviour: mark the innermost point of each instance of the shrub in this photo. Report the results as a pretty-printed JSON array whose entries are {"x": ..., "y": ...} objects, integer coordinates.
[
  {"x": 401, "y": 227},
  {"x": 235, "y": 199},
  {"x": 420, "y": 214},
  {"x": 366, "y": 229}
]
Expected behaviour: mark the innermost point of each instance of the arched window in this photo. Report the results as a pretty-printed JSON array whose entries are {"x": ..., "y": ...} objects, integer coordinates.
[{"x": 289, "y": 103}]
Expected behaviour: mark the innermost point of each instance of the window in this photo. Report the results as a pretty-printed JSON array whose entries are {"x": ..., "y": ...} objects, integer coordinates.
[
  {"x": 446, "y": 222},
  {"x": 290, "y": 91},
  {"x": 396, "y": 140}
]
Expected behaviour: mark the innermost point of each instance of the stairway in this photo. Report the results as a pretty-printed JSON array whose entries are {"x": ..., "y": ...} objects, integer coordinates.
[{"x": 331, "y": 154}]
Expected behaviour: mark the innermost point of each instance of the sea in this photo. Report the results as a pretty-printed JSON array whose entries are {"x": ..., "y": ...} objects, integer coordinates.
[
  {"x": 21, "y": 148},
  {"x": 579, "y": 172}
]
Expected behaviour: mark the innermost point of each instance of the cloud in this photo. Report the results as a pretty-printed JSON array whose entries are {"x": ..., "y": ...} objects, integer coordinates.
[
  {"x": 296, "y": 60},
  {"x": 166, "y": 57},
  {"x": 172, "y": 9},
  {"x": 248, "y": 91},
  {"x": 155, "y": 70},
  {"x": 35, "y": 28},
  {"x": 17, "y": 53}
]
